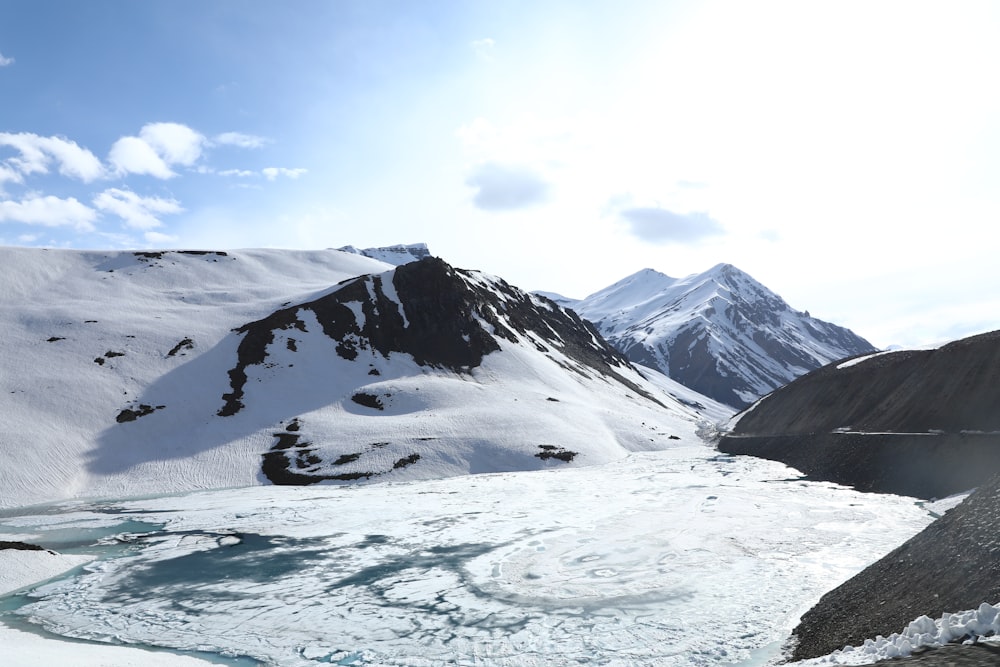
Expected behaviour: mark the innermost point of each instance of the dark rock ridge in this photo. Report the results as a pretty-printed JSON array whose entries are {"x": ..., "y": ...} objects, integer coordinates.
[
  {"x": 441, "y": 316},
  {"x": 919, "y": 422},
  {"x": 720, "y": 333},
  {"x": 953, "y": 565}
]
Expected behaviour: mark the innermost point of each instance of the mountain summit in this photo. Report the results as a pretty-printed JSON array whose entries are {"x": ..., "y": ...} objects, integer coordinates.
[{"x": 720, "y": 332}]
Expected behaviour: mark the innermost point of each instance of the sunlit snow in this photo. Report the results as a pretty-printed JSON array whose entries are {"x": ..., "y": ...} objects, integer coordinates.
[{"x": 679, "y": 557}]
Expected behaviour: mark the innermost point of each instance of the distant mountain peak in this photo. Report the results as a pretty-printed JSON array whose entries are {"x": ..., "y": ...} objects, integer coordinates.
[
  {"x": 396, "y": 255},
  {"x": 719, "y": 332}
]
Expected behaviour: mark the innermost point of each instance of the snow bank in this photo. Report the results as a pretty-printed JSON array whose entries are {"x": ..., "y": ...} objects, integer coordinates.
[
  {"x": 24, "y": 649},
  {"x": 20, "y": 569},
  {"x": 972, "y": 625}
]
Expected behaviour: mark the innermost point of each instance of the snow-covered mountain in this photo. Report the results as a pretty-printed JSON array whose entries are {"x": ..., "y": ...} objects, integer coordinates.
[
  {"x": 720, "y": 332},
  {"x": 142, "y": 372},
  {"x": 393, "y": 254}
]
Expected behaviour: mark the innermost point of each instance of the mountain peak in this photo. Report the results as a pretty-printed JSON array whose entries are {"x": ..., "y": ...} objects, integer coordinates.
[{"x": 720, "y": 332}]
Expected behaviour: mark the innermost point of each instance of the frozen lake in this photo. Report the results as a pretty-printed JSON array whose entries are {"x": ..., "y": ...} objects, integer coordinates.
[{"x": 680, "y": 557}]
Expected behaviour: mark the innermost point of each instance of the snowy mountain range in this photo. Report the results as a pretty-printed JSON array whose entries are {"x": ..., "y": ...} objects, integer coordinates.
[
  {"x": 720, "y": 332},
  {"x": 153, "y": 371}
]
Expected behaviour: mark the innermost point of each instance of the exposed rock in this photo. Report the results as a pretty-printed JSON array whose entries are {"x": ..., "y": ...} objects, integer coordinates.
[
  {"x": 130, "y": 415},
  {"x": 184, "y": 344},
  {"x": 20, "y": 546},
  {"x": 553, "y": 452},
  {"x": 368, "y": 400}
]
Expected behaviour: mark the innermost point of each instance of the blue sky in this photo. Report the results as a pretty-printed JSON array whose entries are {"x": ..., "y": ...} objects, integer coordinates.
[{"x": 846, "y": 154}]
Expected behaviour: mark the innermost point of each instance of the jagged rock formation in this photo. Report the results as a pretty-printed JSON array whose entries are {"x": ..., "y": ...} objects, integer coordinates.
[
  {"x": 951, "y": 566},
  {"x": 720, "y": 333},
  {"x": 915, "y": 422}
]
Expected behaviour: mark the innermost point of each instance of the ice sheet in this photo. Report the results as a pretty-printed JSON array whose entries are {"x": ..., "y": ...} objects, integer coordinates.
[{"x": 670, "y": 558}]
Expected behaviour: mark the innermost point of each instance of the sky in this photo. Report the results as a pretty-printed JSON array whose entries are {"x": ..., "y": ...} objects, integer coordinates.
[{"x": 845, "y": 154}]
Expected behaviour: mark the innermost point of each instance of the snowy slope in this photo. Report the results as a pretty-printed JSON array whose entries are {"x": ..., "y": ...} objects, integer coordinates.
[
  {"x": 719, "y": 332},
  {"x": 131, "y": 373}
]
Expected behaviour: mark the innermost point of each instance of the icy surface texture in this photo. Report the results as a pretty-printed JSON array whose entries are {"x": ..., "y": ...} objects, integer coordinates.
[{"x": 668, "y": 558}]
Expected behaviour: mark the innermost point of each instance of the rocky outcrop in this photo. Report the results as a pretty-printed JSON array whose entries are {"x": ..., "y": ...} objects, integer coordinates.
[
  {"x": 952, "y": 565},
  {"x": 916, "y": 422}
]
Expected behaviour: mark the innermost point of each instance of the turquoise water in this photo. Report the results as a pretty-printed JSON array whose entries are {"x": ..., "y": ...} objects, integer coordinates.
[{"x": 93, "y": 540}]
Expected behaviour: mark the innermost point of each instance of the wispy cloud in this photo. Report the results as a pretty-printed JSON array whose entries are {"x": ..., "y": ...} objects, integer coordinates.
[
  {"x": 503, "y": 187},
  {"x": 4, "y": 60},
  {"x": 239, "y": 173},
  {"x": 159, "y": 238},
  {"x": 137, "y": 212},
  {"x": 36, "y": 153},
  {"x": 49, "y": 211},
  {"x": 158, "y": 147},
  {"x": 240, "y": 140},
  {"x": 660, "y": 225},
  {"x": 271, "y": 173},
  {"x": 484, "y": 48}
]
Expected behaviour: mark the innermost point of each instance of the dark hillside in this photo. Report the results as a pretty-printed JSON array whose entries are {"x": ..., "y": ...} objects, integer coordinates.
[
  {"x": 918, "y": 422},
  {"x": 951, "y": 566}
]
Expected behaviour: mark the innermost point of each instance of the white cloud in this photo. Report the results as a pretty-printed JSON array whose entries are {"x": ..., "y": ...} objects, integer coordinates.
[
  {"x": 48, "y": 211},
  {"x": 137, "y": 212},
  {"x": 132, "y": 155},
  {"x": 156, "y": 149},
  {"x": 239, "y": 173},
  {"x": 4, "y": 60},
  {"x": 36, "y": 153},
  {"x": 505, "y": 187},
  {"x": 240, "y": 140},
  {"x": 9, "y": 175},
  {"x": 271, "y": 173},
  {"x": 175, "y": 143}
]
